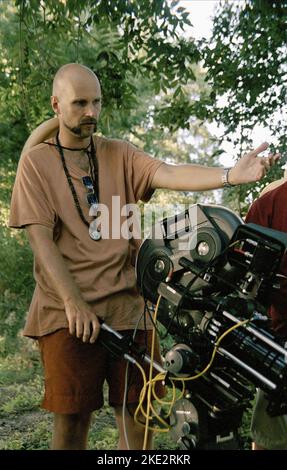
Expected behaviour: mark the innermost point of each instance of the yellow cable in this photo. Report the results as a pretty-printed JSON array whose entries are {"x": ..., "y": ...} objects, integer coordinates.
[
  {"x": 159, "y": 400},
  {"x": 151, "y": 388},
  {"x": 141, "y": 400},
  {"x": 145, "y": 415},
  {"x": 174, "y": 389},
  {"x": 150, "y": 374},
  {"x": 237, "y": 325},
  {"x": 149, "y": 385},
  {"x": 183, "y": 379}
]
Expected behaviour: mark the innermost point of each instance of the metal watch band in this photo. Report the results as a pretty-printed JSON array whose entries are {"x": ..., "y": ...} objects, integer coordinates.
[{"x": 224, "y": 178}]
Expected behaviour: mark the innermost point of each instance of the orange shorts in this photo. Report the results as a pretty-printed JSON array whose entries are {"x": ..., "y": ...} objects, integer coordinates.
[{"x": 75, "y": 373}]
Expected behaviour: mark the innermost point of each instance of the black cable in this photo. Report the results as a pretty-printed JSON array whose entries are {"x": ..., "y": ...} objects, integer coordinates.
[
  {"x": 72, "y": 149},
  {"x": 94, "y": 168}
]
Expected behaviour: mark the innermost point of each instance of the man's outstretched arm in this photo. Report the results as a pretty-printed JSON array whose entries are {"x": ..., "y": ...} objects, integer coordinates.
[{"x": 251, "y": 167}]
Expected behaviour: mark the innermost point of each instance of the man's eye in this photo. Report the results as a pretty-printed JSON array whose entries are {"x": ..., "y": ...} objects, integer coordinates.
[{"x": 80, "y": 103}]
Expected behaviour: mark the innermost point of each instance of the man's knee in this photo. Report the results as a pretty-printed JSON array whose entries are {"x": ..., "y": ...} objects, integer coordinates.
[
  {"x": 74, "y": 423},
  {"x": 71, "y": 431},
  {"x": 74, "y": 418}
]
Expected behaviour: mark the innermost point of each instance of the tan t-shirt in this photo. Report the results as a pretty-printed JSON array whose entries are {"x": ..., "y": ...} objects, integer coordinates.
[{"x": 102, "y": 269}]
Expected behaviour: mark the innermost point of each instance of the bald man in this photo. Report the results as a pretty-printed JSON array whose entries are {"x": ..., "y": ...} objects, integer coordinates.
[{"x": 84, "y": 271}]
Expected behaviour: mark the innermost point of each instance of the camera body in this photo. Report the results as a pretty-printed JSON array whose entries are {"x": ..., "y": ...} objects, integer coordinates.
[{"x": 216, "y": 277}]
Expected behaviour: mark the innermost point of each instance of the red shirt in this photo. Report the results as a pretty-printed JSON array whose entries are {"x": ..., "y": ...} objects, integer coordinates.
[{"x": 270, "y": 210}]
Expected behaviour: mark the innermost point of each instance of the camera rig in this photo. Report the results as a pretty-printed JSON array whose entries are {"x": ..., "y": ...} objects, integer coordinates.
[{"x": 216, "y": 277}]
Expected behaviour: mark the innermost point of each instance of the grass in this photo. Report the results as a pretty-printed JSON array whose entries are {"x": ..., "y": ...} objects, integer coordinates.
[{"x": 24, "y": 426}]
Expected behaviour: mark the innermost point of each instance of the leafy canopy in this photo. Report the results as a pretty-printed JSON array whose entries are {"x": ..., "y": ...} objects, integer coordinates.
[{"x": 245, "y": 61}]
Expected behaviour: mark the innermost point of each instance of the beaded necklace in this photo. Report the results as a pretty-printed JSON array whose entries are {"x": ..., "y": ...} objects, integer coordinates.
[{"x": 93, "y": 164}]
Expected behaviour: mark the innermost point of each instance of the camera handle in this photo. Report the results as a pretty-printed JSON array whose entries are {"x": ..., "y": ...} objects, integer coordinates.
[{"x": 124, "y": 346}]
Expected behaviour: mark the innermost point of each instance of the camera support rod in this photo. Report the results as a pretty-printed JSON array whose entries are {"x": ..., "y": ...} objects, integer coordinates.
[
  {"x": 258, "y": 334},
  {"x": 127, "y": 356},
  {"x": 252, "y": 371}
]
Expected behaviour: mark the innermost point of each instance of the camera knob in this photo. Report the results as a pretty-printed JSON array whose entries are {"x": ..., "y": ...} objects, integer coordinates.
[
  {"x": 185, "y": 428},
  {"x": 203, "y": 248},
  {"x": 159, "y": 266}
]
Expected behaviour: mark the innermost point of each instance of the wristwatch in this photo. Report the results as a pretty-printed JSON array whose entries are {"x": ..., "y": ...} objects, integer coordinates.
[{"x": 224, "y": 178}]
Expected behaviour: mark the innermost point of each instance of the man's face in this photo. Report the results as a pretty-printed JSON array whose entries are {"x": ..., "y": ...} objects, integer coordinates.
[{"x": 79, "y": 107}]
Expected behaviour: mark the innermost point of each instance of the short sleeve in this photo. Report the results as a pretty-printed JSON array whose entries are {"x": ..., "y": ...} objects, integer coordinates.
[
  {"x": 141, "y": 170},
  {"x": 30, "y": 203}
]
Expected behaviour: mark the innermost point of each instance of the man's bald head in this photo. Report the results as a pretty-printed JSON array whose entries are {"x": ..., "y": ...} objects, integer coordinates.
[
  {"x": 76, "y": 100},
  {"x": 70, "y": 75}
]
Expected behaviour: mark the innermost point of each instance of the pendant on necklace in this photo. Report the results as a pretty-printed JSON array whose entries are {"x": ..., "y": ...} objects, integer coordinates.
[
  {"x": 94, "y": 208},
  {"x": 94, "y": 234}
]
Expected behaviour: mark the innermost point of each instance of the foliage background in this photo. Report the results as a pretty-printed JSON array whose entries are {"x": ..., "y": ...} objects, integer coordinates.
[{"x": 160, "y": 88}]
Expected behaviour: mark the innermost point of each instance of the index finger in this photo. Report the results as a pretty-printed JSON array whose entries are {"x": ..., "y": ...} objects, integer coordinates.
[{"x": 259, "y": 149}]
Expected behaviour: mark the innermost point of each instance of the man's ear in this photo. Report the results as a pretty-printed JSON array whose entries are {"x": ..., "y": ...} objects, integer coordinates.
[{"x": 55, "y": 104}]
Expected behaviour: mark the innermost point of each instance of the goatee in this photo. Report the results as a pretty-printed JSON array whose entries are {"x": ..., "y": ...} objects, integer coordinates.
[{"x": 79, "y": 130}]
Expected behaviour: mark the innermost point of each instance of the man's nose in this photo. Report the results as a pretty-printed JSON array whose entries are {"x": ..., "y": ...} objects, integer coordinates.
[{"x": 90, "y": 111}]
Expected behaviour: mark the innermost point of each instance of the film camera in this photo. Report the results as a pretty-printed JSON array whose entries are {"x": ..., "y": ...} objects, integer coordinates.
[{"x": 216, "y": 277}]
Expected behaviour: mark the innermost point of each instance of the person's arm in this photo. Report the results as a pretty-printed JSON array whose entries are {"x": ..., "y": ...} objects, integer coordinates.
[
  {"x": 190, "y": 177},
  {"x": 44, "y": 131},
  {"x": 81, "y": 319}
]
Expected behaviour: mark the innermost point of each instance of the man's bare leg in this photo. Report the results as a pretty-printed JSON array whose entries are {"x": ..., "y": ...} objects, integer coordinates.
[
  {"x": 71, "y": 431},
  {"x": 135, "y": 432}
]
